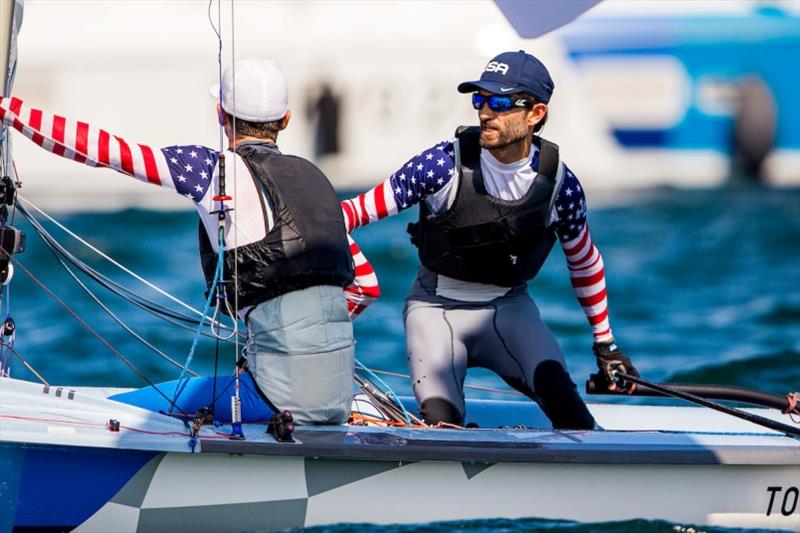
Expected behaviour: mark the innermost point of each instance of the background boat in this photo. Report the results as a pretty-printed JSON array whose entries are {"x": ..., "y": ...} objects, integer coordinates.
[{"x": 640, "y": 100}]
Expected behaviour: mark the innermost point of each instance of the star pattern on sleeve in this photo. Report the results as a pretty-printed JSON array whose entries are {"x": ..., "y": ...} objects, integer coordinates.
[
  {"x": 424, "y": 174},
  {"x": 191, "y": 169},
  {"x": 570, "y": 207}
]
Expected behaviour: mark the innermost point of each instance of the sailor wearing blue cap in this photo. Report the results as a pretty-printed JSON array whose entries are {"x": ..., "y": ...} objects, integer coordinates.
[
  {"x": 493, "y": 202},
  {"x": 510, "y": 73}
]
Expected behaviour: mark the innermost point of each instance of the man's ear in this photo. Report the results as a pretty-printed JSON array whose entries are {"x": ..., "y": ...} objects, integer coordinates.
[
  {"x": 285, "y": 120},
  {"x": 220, "y": 115},
  {"x": 536, "y": 114}
]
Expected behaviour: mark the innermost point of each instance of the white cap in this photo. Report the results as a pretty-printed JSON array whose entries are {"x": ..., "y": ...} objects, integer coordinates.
[{"x": 261, "y": 90}]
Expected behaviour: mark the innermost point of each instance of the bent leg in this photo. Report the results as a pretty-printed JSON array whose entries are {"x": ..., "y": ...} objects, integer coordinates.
[
  {"x": 559, "y": 398},
  {"x": 198, "y": 393},
  {"x": 524, "y": 352},
  {"x": 300, "y": 352},
  {"x": 437, "y": 360}
]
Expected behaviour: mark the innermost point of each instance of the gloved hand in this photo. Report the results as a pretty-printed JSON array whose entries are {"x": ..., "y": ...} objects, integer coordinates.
[{"x": 611, "y": 360}]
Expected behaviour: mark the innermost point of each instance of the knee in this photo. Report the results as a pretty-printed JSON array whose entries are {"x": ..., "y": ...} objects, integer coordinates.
[
  {"x": 559, "y": 397},
  {"x": 550, "y": 377},
  {"x": 435, "y": 410}
]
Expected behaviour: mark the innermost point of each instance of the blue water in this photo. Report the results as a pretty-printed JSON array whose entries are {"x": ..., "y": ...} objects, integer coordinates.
[
  {"x": 538, "y": 525},
  {"x": 704, "y": 287}
]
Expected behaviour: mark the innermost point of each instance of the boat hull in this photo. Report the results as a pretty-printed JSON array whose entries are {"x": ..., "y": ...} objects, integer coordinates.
[
  {"x": 215, "y": 491},
  {"x": 72, "y": 458}
]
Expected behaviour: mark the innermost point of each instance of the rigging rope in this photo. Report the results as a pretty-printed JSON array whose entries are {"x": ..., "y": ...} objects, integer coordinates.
[
  {"x": 123, "y": 292},
  {"x": 236, "y": 404},
  {"x": 473, "y": 387},
  {"x": 91, "y": 330},
  {"x": 181, "y": 385},
  {"x": 114, "y": 317},
  {"x": 111, "y": 260},
  {"x": 217, "y": 289},
  {"x": 387, "y": 390},
  {"x": 29, "y": 367}
]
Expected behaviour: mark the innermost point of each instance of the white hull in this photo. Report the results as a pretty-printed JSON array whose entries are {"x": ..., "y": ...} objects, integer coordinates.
[{"x": 722, "y": 475}]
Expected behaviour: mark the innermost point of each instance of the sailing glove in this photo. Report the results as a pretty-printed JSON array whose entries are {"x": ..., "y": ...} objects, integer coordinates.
[{"x": 611, "y": 361}]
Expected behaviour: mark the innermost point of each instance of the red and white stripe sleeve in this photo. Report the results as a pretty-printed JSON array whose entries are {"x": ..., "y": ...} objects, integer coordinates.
[
  {"x": 423, "y": 175},
  {"x": 364, "y": 290},
  {"x": 375, "y": 204},
  {"x": 86, "y": 144},
  {"x": 589, "y": 281}
]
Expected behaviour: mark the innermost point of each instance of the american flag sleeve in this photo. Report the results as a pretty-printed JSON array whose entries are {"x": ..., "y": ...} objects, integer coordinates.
[
  {"x": 585, "y": 264},
  {"x": 186, "y": 169},
  {"x": 425, "y": 174},
  {"x": 364, "y": 289}
]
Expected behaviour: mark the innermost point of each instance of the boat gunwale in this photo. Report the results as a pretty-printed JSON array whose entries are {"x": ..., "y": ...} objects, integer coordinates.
[{"x": 310, "y": 445}]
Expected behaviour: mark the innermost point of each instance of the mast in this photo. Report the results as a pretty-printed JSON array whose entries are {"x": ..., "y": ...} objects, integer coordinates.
[
  {"x": 7, "y": 42},
  {"x": 11, "y": 239},
  {"x": 10, "y": 22}
]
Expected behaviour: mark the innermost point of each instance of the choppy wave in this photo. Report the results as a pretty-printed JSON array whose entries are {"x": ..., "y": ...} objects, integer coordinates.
[
  {"x": 534, "y": 524},
  {"x": 777, "y": 373}
]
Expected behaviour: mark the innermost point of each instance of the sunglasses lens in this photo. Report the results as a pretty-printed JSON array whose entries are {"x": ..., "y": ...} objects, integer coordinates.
[
  {"x": 496, "y": 103},
  {"x": 499, "y": 103}
]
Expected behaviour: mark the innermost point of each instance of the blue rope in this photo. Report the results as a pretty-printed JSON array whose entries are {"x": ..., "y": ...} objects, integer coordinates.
[
  {"x": 181, "y": 385},
  {"x": 387, "y": 389}
]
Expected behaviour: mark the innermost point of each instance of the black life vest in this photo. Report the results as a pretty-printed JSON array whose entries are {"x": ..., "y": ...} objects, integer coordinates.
[
  {"x": 483, "y": 239},
  {"x": 307, "y": 245}
]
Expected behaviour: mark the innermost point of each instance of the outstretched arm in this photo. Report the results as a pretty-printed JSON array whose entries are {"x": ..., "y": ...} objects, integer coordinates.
[
  {"x": 584, "y": 261},
  {"x": 186, "y": 169},
  {"x": 425, "y": 175}
]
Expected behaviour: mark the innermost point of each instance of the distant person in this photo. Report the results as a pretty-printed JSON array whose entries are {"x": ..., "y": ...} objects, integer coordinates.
[
  {"x": 493, "y": 202},
  {"x": 285, "y": 239},
  {"x": 324, "y": 111}
]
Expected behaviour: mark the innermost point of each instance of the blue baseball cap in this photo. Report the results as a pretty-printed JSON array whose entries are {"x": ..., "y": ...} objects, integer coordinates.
[{"x": 513, "y": 72}]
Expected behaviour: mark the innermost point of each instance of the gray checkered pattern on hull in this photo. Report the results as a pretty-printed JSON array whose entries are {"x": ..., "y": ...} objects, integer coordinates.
[
  {"x": 327, "y": 474},
  {"x": 134, "y": 491},
  {"x": 137, "y": 508},
  {"x": 255, "y": 516},
  {"x": 473, "y": 469}
]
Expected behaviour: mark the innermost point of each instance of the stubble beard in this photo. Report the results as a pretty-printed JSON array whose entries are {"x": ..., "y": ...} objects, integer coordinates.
[{"x": 514, "y": 133}]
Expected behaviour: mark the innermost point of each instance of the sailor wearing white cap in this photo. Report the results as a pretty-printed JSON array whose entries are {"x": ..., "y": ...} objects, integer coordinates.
[
  {"x": 287, "y": 256},
  {"x": 300, "y": 346},
  {"x": 254, "y": 90}
]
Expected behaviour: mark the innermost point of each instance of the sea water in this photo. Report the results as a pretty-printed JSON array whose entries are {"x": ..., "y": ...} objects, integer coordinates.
[{"x": 704, "y": 287}]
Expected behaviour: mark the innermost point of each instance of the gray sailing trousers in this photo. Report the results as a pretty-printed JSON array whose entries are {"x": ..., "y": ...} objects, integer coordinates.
[
  {"x": 300, "y": 351},
  {"x": 444, "y": 337}
]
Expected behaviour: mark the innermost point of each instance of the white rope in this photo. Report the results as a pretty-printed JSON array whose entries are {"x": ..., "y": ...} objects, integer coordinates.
[
  {"x": 109, "y": 259},
  {"x": 235, "y": 191}
]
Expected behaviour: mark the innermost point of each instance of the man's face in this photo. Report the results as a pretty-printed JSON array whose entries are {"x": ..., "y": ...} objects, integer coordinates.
[{"x": 502, "y": 128}]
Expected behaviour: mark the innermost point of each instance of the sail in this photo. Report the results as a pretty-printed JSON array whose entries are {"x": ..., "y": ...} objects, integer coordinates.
[{"x": 534, "y": 19}]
